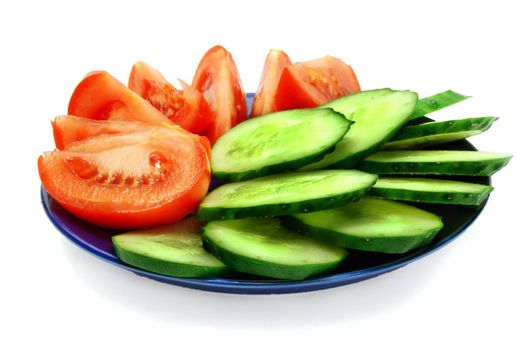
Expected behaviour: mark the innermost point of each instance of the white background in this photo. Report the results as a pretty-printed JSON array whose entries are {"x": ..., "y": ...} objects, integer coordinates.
[{"x": 55, "y": 295}]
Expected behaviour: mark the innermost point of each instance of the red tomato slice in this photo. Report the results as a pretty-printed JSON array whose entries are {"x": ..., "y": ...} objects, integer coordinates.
[
  {"x": 68, "y": 129},
  {"x": 129, "y": 180},
  {"x": 101, "y": 96},
  {"x": 217, "y": 78},
  {"x": 187, "y": 108},
  {"x": 313, "y": 83},
  {"x": 263, "y": 102}
]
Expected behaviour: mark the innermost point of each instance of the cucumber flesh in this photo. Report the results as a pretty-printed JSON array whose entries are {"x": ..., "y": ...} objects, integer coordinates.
[
  {"x": 263, "y": 247},
  {"x": 434, "y": 133},
  {"x": 377, "y": 116},
  {"x": 370, "y": 224},
  {"x": 428, "y": 190},
  {"x": 471, "y": 163},
  {"x": 174, "y": 250},
  {"x": 285, "y": 194},
  {"x": 277, "y": 142},
  {"x": 436, "y": 102}
]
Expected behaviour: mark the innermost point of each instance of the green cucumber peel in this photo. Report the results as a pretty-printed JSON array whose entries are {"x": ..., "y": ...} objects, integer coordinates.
[
  {"x": 427, "y": 190},
  {"x": 436, "y": 102},
  {"x": 277, "y": 142},
  {"x": 472, "y": 163},
  {"x": 377, "y": 116},
  {"x": 174, "y": 250},
  {"x": 285, "y": 194},
  {"x": 370, "y": 224},
  {"x": 434, "y": 133},
  {"x": 263, "y": 247}
]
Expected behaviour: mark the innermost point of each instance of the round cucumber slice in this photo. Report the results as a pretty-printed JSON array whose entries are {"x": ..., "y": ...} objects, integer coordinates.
[
  {"x": 435, "y": 133},
  {"x": 377, "y": 116},
  {"x": 473, "y": 163},
  {"x": 284, "y": 194},
  {"x": 174, "y": 250},
  {"x": 370, "y": 224},
  {"x": 430, "y": 190},
  {"x": 263, "y": 247},
  {"x": 277, "y": 142}
]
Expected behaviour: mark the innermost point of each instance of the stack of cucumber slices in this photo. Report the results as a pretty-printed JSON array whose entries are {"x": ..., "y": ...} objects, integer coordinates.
[{"x": 302, "y": 189}]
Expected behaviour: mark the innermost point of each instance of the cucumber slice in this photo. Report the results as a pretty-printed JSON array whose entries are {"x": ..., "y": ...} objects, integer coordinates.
[
  {"x": 471, "y": 163},
  {"x": 434, "y": 133},
  {"x": 436, "y": 102},
  {"x": 174, "y": 250},
  {"x": 370, "y": 224},
  {"x": 285, "y": 194},
  {"x": 377, "y": 116},
  {"x": 430, "y": 190},
  {"x": 263, "y": 247},
  {"x": 277, "y": 142}
]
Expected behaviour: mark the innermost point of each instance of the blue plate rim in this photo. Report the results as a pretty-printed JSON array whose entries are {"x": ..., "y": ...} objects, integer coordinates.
[{"x": 226, "y": 285}]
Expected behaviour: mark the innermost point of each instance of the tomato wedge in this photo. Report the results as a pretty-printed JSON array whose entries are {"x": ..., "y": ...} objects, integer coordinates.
[
  {"x": 129, "y": 180},
  {"x": 101, "y": 96},
  {"x": 217, "y": 78},
  {"x": 187, "y": 108},
  {"x": 313, "y": 83},
  {"x": 68, "y": 129},
  {"x": 263, "y": 102}
]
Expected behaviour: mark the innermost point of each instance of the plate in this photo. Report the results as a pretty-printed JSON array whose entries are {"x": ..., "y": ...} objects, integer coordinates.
[{"x": 359, "y": 266}]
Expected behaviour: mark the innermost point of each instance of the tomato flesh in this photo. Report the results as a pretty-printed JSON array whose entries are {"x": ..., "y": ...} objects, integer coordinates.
[
  {"x": 101, "y": 96},
  {"x": 129, "y": 180},
  {"x": 313, "y": 83},
  {"x": 263, "y": 102},
  {"x": 68, "y": 129},
  {"x": 217, "y": 78},
  {"x": 187, "y": 108}
]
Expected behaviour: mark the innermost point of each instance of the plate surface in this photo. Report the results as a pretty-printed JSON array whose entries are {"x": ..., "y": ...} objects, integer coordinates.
[{"x": 359, "y": 266}]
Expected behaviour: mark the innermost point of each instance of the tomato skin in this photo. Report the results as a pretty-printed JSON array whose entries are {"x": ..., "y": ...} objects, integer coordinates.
[
  {"x": 313, "y": 83},
  {"x": 130, "y": 220},
  {"x": 68, "y": 129},
  {"x": 263, "y": 102},
  {"x": 168, "y": 195},
  {"x": 217, "y": 78},
  {"x": 101, "y": 96},
  {"x": 291, "y": 94},
  {"x": 187, "y": 108},
  {"x": 195, "y": 115}
]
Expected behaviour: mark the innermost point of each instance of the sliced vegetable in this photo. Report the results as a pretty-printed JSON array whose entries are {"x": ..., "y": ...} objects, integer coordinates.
[
  {"x": 277, "y": 142},
  {"x": 285, "y": 194},
  {"x": 435, "y": 133},
  {"x": 471, "y": 163},
  {"x": 187, "y": 108},
  {"x": 129, "y": 180},
  {"x": 377, "y": 116},
  {"x": 430, "y": 190},
  {"x": 174, "y": 250},
  {"x": 263, "y": 247},
  {"x": 100, "y": 96},
  {"x": 313, "y": 83},
  {"x": 217, "y": 78},
  {"x": 376, "y": 225},
  {"x": 436, "y": 102},
  {"x": 68, "y": 129},
  {"x": 264, "y": 102}
]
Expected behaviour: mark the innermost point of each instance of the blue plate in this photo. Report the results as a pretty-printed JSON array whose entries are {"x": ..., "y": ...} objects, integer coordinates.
[{"x": 359, "y": 266}]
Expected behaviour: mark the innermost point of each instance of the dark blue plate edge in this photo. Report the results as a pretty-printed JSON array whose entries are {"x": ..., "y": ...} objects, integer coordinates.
[{"x": 277, "y": 287}]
